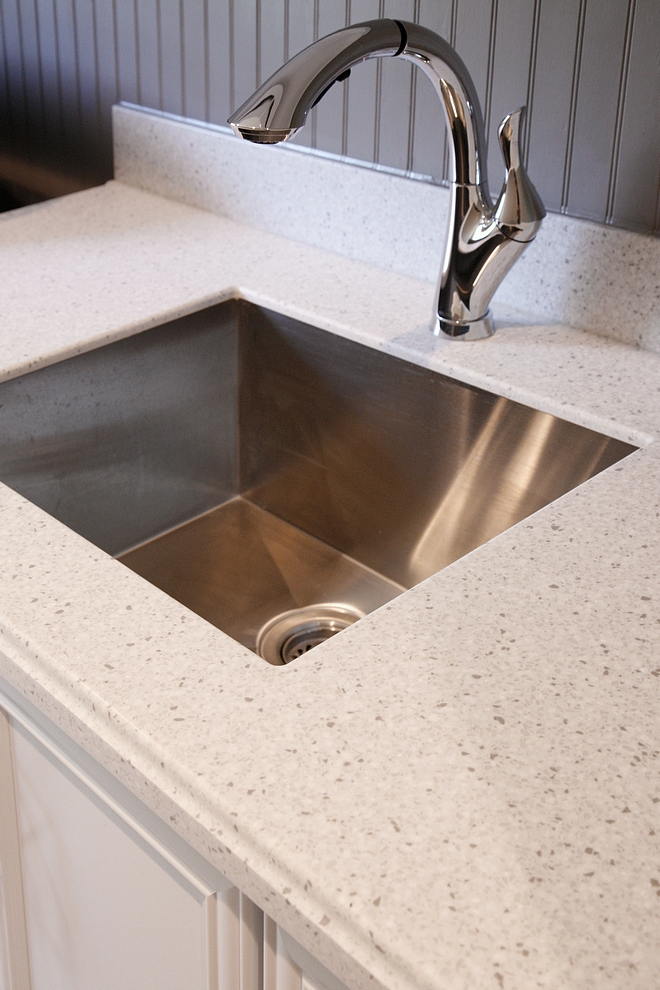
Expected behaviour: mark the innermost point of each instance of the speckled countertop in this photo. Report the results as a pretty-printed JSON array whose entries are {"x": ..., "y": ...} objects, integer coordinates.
[{"x": 462, "y": 792}]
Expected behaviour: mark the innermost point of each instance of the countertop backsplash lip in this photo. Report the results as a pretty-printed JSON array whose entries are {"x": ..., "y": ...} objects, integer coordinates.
[
  {"x": 577, "y": 272},
  {"x": 567, "y": 593}
]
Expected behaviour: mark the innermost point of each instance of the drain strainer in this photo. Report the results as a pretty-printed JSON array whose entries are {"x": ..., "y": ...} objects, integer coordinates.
[{"x": 290, "y": 634}]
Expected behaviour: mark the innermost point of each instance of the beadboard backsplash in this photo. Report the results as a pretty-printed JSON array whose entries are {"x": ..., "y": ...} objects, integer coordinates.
[{"x": 587, "y": 70}]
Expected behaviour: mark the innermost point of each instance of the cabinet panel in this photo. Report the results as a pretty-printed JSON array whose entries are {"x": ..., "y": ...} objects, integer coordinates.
[
  {"x": 14, "y": 968},
  {"x": 4, "y": 946},
  {"x": 100, "y": 911},
  {"x": 95, "y": 892},
  {"x": 280, "y": 971}
]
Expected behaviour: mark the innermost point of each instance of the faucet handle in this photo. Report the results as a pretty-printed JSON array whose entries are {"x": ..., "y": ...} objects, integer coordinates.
[
  {"x": 519, "y": 210},
  {"x": 509, "y": 136}
]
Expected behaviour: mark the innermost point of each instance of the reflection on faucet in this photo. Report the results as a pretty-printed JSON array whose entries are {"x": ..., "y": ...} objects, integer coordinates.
[{"x": 483, "y": 240}]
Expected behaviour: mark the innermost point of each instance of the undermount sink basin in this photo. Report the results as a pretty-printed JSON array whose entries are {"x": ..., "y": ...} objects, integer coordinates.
[{"x": 251, "y": 466}]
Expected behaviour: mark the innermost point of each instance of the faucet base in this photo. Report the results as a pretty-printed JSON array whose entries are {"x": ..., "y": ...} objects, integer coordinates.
[{"x": 464, "y": 329}]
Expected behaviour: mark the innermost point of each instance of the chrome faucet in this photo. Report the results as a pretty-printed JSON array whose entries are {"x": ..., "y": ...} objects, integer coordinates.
[{"x": 483, "y": 240}]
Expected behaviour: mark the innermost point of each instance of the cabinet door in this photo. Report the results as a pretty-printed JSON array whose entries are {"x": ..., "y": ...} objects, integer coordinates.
[
  {"x": 96, "y": 894},
  {"x": 14, "y": 968},
  {"x": 91, "y": 896},
  {"x": 103, "y": 907}
]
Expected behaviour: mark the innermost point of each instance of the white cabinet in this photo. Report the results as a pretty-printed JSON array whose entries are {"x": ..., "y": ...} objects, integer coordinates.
[
  {"x": 97, "y": 892},
  {"x": 103, "y": 908},
  {"x": 93, "y": 897}
]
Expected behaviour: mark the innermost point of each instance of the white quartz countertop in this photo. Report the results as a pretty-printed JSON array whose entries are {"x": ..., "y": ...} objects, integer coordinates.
[{"x": 460, "y": 792}]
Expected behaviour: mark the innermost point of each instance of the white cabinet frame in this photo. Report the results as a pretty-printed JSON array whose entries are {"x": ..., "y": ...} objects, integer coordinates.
[{"x": 243, "y": 949}]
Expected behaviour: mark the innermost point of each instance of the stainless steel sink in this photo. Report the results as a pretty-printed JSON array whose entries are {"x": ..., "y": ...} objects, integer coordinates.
[{"x": 250, "y": 466}]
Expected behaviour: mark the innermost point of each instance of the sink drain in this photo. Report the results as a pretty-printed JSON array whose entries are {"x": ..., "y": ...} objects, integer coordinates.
[{"x": 288, "y": 635}]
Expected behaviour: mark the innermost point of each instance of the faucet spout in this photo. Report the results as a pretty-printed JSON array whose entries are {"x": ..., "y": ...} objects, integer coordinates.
[
  {"x": 280, "y": 106},
  {"x": 483, "y": 241}
]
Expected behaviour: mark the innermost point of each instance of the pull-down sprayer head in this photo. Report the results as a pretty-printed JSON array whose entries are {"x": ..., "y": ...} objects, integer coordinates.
[{"x": 280, "y": 106}]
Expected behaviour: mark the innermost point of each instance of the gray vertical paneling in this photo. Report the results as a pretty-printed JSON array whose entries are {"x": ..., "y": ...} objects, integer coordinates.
[
  {"x": 361, "y": 110},
  {"x": 512, "y": 52},
  {"x": 170, "y": 62},
  {"x": 219, "y": 62},
  {"x": 531, "y": 78},
  {"x": 67, "y": 45},
  {"x": 621, "y": 103},
  {"x": 550, "y": 122},
  {"x": 396, "y": 97},
  {"x": 589, "y": 71},
  {"x": 311, "y": 119},
  {"x": 595, "y": 119},
  {"x": 300, "y": 35},
  {"x": 125, "y": 24},
  {"x": 50, "y": 72},
  {"x": 5, "y": 123},
  {"x": 272, "y": 27},
  {"x": 330, "y": 111},
  {"x": 106, "y": 57},
  {"x": 473, "y": 36},
  {"x": 17, "y": 111},
  {"x": 30, "y": 58},
  {"x": 148, "y": 55},
  {"x": 492, "y": 42},
  {"x": 55, "y": 90},
  {"x": 638, "y": 173},
  {"x": 245, "y": 49},
  {"x": 194, "y": 58},
  {"x": 429, "y": 138},
  {"x": 88, "y": 80}
]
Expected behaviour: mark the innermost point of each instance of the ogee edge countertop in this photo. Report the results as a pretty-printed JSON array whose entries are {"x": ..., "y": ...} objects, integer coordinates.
[{"x": 462, "y": 790}]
